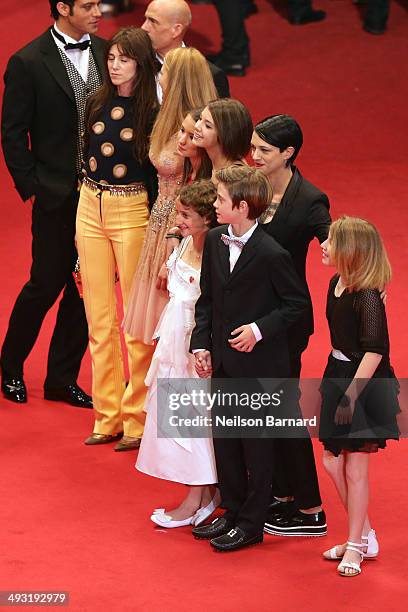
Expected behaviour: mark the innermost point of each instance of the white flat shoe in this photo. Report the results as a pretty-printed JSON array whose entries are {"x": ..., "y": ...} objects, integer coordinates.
[
  {"x": 369, "y": 541},
  {"x": 164, "y": 520},
  {"x": 203, "y": 513}
]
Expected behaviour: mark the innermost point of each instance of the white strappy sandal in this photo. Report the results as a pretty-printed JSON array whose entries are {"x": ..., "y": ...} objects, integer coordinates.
[
  {"x": 331, "y": 554},
  {"x": 351, "y": 564},
  {"x": 369, "y": 541}
]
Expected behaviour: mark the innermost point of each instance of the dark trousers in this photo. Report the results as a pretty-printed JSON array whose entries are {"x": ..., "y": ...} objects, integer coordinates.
[
  {"x": 297, "y": 8},
  {"x": 234, "y": 35},
  {"x": 53, "y": 259},
  {"x": 244, "y": 468},
  {"x": 377, "y": 13},
  {"x": 294, "y": 463}
]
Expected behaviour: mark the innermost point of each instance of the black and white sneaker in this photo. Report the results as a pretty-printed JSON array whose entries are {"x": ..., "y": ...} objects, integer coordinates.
[
  {"x": 279, "y": 509},
  {"x": 298, "y": 524}
]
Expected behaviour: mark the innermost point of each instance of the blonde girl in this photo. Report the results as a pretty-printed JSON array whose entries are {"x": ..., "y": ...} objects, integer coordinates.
[{"x": 359, "y": 389}]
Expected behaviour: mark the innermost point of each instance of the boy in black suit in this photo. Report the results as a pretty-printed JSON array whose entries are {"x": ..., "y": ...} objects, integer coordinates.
[{"x": 250, "y": 294}]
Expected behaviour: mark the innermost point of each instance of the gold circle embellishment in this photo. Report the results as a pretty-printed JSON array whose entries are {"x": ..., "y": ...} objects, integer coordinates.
[
  {"x": 93, "y": 164},
  {"x": 126, "y": 134},
  {"x": 103, "y": 182},
  {"x": 119, "y": 171},
  {"x": 117, "y": 113},
  {"x": 98, "y": 127},
  {"x": 107, "y": 149}
]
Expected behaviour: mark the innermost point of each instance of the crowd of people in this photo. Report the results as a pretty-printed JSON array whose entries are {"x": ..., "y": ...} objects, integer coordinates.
[
  {"x": 234, "y": 55},
  {"x": 148, "y": 178}
]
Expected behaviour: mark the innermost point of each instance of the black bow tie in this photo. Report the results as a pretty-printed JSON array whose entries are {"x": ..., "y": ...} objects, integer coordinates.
[{"x": 79, "y": 45}]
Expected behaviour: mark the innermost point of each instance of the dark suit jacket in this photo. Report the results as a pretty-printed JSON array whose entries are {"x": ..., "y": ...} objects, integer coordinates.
[
  {"x": 263, "y": 288},
  {"x": 220, "y": 81},
  {"x": 302, "y": 215},
  {"x": 39, "y": 121}
]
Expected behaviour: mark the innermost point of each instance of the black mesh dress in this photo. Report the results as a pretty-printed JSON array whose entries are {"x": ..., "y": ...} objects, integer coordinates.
[{"x": 358, "y": 324}]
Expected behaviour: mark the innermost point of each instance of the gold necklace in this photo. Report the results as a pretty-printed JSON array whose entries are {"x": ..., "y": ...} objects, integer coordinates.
[{"x": 191, "y": 256}]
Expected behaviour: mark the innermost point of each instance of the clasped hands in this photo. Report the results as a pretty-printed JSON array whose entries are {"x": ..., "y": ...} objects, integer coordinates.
[{"x": 244, "y": 342}]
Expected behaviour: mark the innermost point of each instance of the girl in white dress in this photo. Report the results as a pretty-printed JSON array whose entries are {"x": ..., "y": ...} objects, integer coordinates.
[{"x": 185, "y": 460}]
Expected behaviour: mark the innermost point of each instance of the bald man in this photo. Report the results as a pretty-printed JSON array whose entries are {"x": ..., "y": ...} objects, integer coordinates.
[{"x": 166, "y": 22}]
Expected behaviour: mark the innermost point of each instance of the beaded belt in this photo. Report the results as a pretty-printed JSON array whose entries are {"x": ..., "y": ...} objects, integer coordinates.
[
  {"x": 339, "y": 355},
  {"x": 117, "y": 190}
]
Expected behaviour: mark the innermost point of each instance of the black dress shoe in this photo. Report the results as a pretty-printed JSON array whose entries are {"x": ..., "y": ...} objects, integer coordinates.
[
  {"x": 72, "y": 394},
  {"x": 307, "y": 17},
  {"x": 233, "y": 540},
  {"x": 218, "y": 527},
  {"x": 14, "y": 389},
  {"x": 374, "y": 28},
  {"x": 298, "y": 524},
  {"x": 250, "y": 8},
  {"x": 236, "y": 68},
  {"x": 218, "y": 57}
]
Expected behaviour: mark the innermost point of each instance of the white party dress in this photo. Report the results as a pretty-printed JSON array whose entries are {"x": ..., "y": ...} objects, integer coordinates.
[{"x": 185, "y": 460}]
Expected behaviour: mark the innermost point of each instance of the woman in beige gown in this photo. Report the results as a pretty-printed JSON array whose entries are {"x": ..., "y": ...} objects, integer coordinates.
[{"x": 187, "y": 84}]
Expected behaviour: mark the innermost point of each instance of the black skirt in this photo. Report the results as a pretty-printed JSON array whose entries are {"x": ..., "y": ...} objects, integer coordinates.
[{"x": 374, "y": 419}]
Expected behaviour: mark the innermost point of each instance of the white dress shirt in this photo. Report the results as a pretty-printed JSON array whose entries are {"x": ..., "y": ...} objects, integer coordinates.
[
  {"x": 234, "y": 253},
  {"x": 158, "y": 86},
  {"x": 79, "y": 58}
]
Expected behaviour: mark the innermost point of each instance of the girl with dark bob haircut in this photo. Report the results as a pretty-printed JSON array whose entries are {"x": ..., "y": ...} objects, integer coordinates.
[
  {"x": 281, "y": 131},
  {"x": 298, "y": 212}
]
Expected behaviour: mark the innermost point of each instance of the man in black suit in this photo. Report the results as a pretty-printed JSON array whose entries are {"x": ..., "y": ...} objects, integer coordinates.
[
  {"x": 46, "y": 86},
  {"x": 250, "y": 294},
  {"x": 166, "y": 22}
]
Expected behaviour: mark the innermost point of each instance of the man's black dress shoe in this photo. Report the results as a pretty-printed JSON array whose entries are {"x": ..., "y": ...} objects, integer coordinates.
[
  {"x": 236, "y": 68},
  {"x": 233, "y": 540},
  {"x": 250, "y": 8},
  {"x": 374, "y": 28},
  {"x": 218, "y": 527},
  {"x": 298, "y": 524},
  {"x": 307, "y": 17},
  {"x": 14, "y": 389},
  {"x": 71, "y": 394},
  {"x": 218, "y": 57}
]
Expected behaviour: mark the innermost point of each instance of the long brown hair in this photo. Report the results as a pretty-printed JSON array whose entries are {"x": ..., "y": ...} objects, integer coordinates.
[
  {"x": 359, "y": 255},
  {"x": 205, "y": 169},
  {"x": 234, "y": 127},
  {"x": 135, "y": 44},
  {"x": 190, "y": 85}
]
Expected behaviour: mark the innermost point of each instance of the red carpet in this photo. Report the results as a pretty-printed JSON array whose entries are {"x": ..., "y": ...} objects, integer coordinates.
[{"x": 76, "y": 518}]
